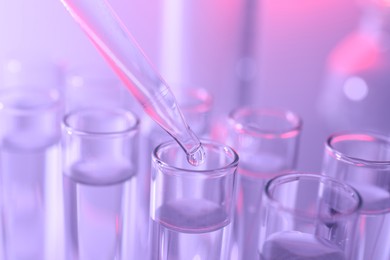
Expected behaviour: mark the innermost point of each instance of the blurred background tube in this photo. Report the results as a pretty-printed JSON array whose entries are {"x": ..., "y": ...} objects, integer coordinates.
[
  {"x": 99, "y": 168},
  {"x": 267, "y": 142},
  {"x": 29, "y": 171}
]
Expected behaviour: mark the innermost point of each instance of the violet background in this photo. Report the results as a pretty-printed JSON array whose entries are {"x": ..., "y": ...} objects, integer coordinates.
[{"x": 203, "y": 43}]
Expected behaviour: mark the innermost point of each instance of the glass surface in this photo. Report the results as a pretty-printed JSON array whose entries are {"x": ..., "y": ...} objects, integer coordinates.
[
  {"x": 196, "y": 104},
  {"x": 99, "y": 171},
  {"x": 308, "y": 216},
  {"x": 267, "y": 142},
  {"x": 29, "y": 172},
  {"x": 362, "y": 159},
  {"x": 192, "y": 207}
]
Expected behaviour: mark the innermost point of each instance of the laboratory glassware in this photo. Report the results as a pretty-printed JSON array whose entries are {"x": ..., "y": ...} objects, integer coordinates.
[
  {"x": 267, "y": 142},
  {"x": 196, "y": 104},
  {"x": 126, "y": 58},
  {"x": 192, "y": 207},
  {"x": 308, "y": 223},
  {"x": 362, "y": 159},
  {"x": 30, "y": 171},
  {"x": 100, "y": 149}
]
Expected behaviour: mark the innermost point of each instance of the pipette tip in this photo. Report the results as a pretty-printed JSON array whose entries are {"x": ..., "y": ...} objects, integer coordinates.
[{"x": 197, "y": 156}]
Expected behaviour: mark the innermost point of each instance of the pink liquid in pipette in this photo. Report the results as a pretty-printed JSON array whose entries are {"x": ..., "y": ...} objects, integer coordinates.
[{"x": 126, "y": 58}]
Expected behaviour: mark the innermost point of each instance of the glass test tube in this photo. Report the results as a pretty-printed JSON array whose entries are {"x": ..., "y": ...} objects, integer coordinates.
[
  {"x": 99, "y": 163},
  {"x": 191, "y": 207},
  {"x": 30, "y": 171},
  {"x": 362, "y": 159},
  {"x": 196, "y": 105},
  {"x": 267, "y": 142},
  {"x": 300, "y": 223}
]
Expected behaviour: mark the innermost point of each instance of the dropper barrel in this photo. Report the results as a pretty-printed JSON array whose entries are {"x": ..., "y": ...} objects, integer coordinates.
[{"x": 126, "y": 58}]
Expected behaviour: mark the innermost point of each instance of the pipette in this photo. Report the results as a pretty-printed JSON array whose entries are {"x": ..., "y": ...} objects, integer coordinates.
[{"x": 126, "y": 58}]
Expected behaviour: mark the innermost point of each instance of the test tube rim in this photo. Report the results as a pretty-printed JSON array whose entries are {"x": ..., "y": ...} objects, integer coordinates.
[
  {"x": 291, "y": 132},
  {"x": 352, "y": 160},
  {"x": 216, "y": 172},
  {"x": 129, "y": 130},
  {"x": 284, "y": 178},
  {"x": 51, "y": 95}
]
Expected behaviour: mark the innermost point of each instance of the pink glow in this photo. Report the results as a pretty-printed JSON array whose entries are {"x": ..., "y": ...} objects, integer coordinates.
[
  {"x": 383, "y": 3},
  {"x": 262, "y": 175},
  {"x": 362, "y": 225},
  {"x": 353, "y": 137},
  {"x": 219, "y": 131},
  {"x": 241, "y": 130},
  {"x": 357, "y": 52},
  {"x": 290, "y": 134},
  {"x": 111, "y": 59}
]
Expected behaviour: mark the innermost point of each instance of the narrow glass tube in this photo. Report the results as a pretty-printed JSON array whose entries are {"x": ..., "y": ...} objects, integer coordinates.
[
  {"x": 267, "y": 142},
  {"x": 191, "y": 207},
  {"x": 196, "y": 104},
  {"x": 301, "y": 223},
  {"x": 99, "y": 164},
  {"x": 127, "y": 59},
  {"x": 362, "y": 159},
  {"x": 30, "y": 171}
]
